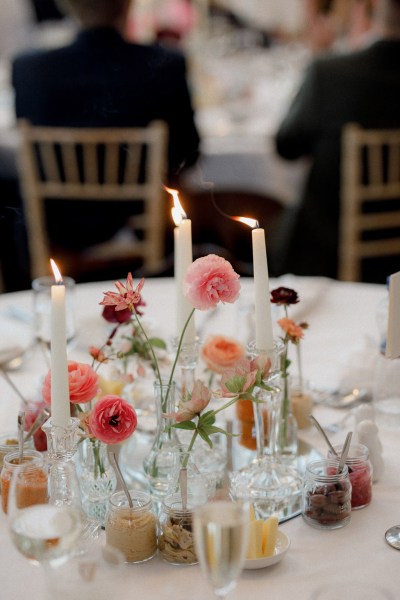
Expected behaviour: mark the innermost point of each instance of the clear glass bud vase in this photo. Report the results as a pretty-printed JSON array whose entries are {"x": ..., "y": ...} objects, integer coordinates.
[
  {"x": 97, "y": 478},
  {"x": 162, "y": 462}
]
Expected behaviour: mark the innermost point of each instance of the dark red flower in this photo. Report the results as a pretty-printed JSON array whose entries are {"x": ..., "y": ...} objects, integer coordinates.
[
  {"x": 116, "y": 316},
  {"x": 284, "y": 295}
]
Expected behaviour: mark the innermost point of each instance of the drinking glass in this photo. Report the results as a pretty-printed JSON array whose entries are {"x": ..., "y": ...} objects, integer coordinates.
[
  {"x": 44, "y": 533},
  {"x": 41, "y": 287},
  {"x": 221, "y": 537}
]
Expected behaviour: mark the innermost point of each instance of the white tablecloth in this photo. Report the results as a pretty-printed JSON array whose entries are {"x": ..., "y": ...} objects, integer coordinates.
[{"x": 341, "y": 317}]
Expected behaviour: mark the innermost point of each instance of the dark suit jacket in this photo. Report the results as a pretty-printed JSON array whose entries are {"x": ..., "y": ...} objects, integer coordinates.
[
  {"x": 361, "y": 87},
  {"x": 100, "y": 80}
]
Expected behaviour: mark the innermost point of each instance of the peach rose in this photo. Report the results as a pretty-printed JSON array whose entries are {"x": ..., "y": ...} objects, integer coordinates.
[
  {"x": 221, "y": 352},
  {"x": 295, "y": 332},
  {"x": 83, "y": 383}
]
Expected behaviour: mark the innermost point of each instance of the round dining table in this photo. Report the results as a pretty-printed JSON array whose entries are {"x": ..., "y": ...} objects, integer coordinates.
[{"x": 351, "y": 562}]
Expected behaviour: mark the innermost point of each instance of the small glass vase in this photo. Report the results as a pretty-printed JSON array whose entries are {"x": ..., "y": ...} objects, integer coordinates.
[
  {"x": 268, "y": 482},
  {"x": 97, "y": 479},
  {"x": 287, "y": 442},
  {"x": 162, "y": 461}
]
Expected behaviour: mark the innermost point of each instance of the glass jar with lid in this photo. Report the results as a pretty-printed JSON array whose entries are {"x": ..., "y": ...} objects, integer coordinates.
[
  {"x": 132, "y": 529},
  {"x": 326, "y": 495},
  {"x": 360, "y": 473},
  {"x": 33, "y": 489}
]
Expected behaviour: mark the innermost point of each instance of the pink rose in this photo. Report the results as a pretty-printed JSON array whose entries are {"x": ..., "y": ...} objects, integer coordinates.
[
  {"x": 83, "y": 383},
  {"x": 199, "y": 399},
  {"x": 112, "y": 420},
  {"x": 209, "y": 280},
  {"x": 220, "y": 352}
]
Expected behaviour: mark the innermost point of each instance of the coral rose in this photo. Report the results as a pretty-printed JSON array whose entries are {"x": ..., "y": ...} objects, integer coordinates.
[
  {"x": 83, "y": 383},
  {"x": 112, "y": 420},
  {"x": 295, "y": 332},
  {"x": 209, "y": 280},
  {"x": 221, "y": 352}
]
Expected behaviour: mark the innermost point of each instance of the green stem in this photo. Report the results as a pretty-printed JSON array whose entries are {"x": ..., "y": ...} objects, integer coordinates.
[
  {"x": 179, "y": 350},
  {"x": 158, "y": 374}
]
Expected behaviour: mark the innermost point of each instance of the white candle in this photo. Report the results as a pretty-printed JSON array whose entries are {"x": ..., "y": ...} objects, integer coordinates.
[
  {"x": 60, "y": 406},
  {"x": 393, "y": 330},
  {"x": 183, "y": 259},
  {"x": 264, "y": 334}
]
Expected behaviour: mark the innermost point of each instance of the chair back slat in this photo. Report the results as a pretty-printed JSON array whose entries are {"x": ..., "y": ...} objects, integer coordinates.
[
  {"x": 370, "y": 198},
  {"x": 86, "y": 164}
]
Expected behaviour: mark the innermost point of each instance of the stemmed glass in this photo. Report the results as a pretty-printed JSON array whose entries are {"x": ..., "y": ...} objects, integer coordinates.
[
  {"x": 221, "y": 537},
  {"x": 44, "y": 533}
]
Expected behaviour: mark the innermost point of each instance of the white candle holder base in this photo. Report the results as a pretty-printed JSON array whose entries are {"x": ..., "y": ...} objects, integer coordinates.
[{"x": 61, "y": 447}]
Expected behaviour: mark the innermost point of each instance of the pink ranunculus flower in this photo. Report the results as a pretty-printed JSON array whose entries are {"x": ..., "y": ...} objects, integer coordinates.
[
  {"x": 127, "y": 297},
  {"x": 199, "y": 399},
  {"x": 83, "y": 383},
  {"x": 238, "y": 379},
  {"x": 221, "y": 352},
  {"x": 112, "y": 420},
  {"x": 262, "y": 364},
  {"x": 209, "y": 280}
]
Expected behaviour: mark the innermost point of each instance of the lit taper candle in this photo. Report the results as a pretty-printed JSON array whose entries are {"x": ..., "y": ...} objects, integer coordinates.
[
  {"x": 60, "y": 406},
  {"x": 183, "y": 258}
]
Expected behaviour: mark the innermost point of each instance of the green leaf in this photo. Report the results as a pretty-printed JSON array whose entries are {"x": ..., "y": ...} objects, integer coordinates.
[
  {"x": 185, "y": 425},
  {"x": 157, "y": 343},
  {"x": 205, "y": 437},
  {"x": 213, "y": 429},
  {"x": 235, "y": 384}
]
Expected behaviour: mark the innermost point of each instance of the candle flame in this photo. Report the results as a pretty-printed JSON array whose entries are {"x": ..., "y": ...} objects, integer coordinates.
[
  {"x": 253, "y": 223},
  {"x": 177, "y": 212},
  {"x": 56, "y": 271}
]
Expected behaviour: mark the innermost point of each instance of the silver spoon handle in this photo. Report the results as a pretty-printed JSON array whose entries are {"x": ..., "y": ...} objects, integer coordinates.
[
  {"x": 121, "y": 478},
  {"x": 345, "y": 451},
  {"x": 38, "y": 422},
  {"x": 321, "y": 430}
]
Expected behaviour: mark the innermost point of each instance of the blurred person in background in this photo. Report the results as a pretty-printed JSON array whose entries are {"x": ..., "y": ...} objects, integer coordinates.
[
  {"x": 102, "y": 80},
  {"x": 361, "y": 87}
]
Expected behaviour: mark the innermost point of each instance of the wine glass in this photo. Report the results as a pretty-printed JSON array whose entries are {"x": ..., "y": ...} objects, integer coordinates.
[
  {"x": 44, "y": 533},
  {"x": 221, "y": 537}
]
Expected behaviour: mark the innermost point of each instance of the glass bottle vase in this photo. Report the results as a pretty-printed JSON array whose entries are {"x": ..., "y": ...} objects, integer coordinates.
[
  {"x": 97, "y": 478},
  {"x": 162, "y": 462}
]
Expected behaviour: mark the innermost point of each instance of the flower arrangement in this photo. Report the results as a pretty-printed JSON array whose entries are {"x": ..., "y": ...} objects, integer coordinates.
[
  {"x": 208, "y": 281},
  {"x": 293, "y": 333},
  {"x": 110, "y": 420}
]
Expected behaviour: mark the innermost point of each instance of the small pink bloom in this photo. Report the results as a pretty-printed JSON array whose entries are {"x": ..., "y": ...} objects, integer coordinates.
[
  {"x": 126, "y": 298},
  {"x": 97, "y": 354},
  {"x": 200, "y": 398},
  {"x": 112, "y": 420},
  {"x": 83, "y": 383},
  {"x": 84, "y": 423},
  {"x": 220, "y": 352},
  {"x": 261, "y": 364},
  {"x": 295, "y": 332},
  {"x": 238, "y": 379},
  {"x": 209, "y": 280}
]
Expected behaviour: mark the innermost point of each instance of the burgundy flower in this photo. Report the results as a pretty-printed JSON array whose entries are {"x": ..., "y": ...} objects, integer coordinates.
[
  {"x": 284, "y": 295},
  {"x": 116, "y": 316}
]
